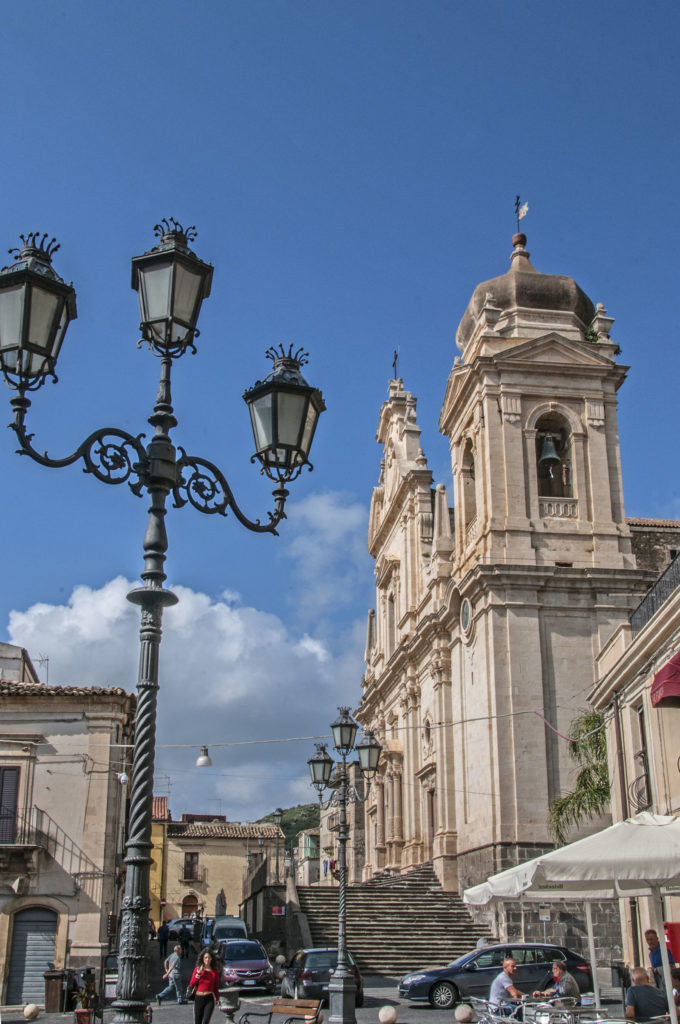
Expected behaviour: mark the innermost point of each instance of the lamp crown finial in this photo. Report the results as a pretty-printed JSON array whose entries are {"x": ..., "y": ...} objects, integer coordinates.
[
  {"x": 279, "y": 355},
  {"x": 169, "y": 230},
  {"x": 35, "y": 245}
]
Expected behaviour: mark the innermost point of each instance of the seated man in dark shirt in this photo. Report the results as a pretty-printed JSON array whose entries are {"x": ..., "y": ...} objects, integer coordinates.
[
  {"x": 644, "y": 1001},
  {"x": 560, "y": 983}
]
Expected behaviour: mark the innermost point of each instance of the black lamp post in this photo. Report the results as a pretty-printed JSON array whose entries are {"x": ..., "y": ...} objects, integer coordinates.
[
  {"x": 278, "y": 815},
  {"x": 36, "y": 307},
  {"x": 342, "y": 989}
]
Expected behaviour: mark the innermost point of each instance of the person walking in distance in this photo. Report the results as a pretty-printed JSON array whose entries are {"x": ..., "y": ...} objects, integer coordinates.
[
  {"x": 206, "y": 978},
  {"x": 173, "y": 976},
  {"x": 163, "y": 933},
  {"x": 184, "y": 937}
]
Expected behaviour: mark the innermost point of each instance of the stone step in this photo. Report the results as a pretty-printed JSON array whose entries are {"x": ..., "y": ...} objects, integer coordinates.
[{"x": 394, "y": 924}]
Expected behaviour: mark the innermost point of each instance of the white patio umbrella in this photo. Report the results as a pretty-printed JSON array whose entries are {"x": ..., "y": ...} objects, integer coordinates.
[{"x": 636, "y": 857}]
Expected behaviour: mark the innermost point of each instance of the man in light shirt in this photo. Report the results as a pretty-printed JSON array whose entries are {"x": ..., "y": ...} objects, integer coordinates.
[{"x": 503, "y": 991}]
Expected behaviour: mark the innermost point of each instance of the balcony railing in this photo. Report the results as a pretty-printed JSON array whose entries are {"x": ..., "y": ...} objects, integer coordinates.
[
  {"x": 192, "y": 876},
  {"x": 654, "y": 598},
  {"x": 20, "y": 835},
  {"x": 471, "y": 530},
  {"x": 558, "y": 508}
]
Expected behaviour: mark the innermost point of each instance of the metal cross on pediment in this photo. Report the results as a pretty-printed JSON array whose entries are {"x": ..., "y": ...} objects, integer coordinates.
[{"x": 395, "y": 362}]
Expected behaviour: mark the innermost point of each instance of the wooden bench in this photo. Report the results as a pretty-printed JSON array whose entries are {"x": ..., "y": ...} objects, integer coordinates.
[{"x": 285, "y": 1010}]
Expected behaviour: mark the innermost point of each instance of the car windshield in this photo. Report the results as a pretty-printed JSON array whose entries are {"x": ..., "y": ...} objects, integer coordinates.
[
  {"x": 327, "y": 958},
  {"x": 324, "y": 958},
  {"x": 225, "y": 932},
  {"x": 243, "y": 951}
]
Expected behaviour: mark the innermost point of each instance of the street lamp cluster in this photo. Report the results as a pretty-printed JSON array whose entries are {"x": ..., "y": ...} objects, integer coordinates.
[
  {"x": 342, "y": 990},
  {"x": 36, "y": 307}
]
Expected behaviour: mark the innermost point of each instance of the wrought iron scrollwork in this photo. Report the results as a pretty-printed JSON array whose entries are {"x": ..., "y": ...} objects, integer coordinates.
[
  {"x": 204, "y": 486},
  {"x": 111, "y": 455}
]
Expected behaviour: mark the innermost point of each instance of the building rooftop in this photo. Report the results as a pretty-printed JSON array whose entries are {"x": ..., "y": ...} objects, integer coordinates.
[
  {"x": 633, "y": 521},
  {"x": 8, "y": 688},
  {"x": 222, "y": 830}
]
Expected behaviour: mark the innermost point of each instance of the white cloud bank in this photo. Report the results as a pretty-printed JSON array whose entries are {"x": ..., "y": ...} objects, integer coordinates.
[{"x": 228, "y": 672}]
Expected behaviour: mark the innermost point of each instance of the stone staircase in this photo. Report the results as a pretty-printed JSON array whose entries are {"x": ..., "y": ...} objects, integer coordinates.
[{"x": 395, "y": 923}]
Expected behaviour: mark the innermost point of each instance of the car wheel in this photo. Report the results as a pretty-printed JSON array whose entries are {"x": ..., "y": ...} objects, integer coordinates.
[{"x": 443, "y": 995}]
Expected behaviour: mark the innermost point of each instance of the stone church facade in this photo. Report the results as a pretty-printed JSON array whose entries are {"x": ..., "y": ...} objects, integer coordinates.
[{"x": 489, "y": 615}]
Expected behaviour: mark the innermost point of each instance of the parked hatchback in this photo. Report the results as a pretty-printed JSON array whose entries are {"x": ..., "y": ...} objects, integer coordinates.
[
  {"x": 309, "y": 972},
  {"x": 245, "y": 965},
  {"x": 472, "y": 974}
]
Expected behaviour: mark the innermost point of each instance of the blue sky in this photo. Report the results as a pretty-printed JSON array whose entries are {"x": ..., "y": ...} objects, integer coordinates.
[{"x": 351, "y": 169}]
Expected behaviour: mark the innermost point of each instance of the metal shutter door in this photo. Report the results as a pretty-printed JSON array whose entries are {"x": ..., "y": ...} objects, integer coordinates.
[{"x": 33, "y": 939}]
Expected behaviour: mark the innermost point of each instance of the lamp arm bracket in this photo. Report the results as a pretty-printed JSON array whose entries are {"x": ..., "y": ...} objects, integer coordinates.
[
  {"x": 333, "y": 801},
  {"x": 204, "y": 486},
  {"x": 353, "y": 796},
  {"x": 110, "y": 454}
]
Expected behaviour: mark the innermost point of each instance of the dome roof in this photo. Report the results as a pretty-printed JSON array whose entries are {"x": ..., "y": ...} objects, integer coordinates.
[{"x": 525, "y": 287}]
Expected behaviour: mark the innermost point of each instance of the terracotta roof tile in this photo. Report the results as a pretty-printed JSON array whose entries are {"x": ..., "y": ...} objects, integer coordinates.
[
  {"x": 653, "y": 522},
  {"x": 14, "y": 689},
  {"x": 222, "y": 830}
]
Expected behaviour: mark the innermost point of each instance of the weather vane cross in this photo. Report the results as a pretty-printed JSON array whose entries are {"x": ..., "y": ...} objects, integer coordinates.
[
  {"x": 521, "y": 210},
  {"x": 395, "y": 360}
]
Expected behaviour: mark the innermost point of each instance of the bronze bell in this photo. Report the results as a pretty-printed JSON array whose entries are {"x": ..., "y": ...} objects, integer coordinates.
[{"x": 549, "y": 454}]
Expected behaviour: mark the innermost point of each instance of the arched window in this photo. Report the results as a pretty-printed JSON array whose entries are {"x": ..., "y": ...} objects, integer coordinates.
[
  {"x": 468, "y": 474},
  {"x": 554, "y": 457}
]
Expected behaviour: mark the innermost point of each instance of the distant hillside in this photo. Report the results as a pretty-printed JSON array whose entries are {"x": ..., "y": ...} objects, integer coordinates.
[{"x": 296, "y": 819}]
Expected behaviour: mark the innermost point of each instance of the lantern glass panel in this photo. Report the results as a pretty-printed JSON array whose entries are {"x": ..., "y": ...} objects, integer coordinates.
[
  {"x": 344, "y": 734},
  {"x": 369, "y": 755},
  {"x": 187, "y": 292},
  {"x": 44, "y": 307},
  {"x": 320, "y": 769},
  {"x": 30, "y": 363},
  {"x": 155, "y": 291},
  {"x": 61, "y": 330},
  {"x": 291, "y": 411},
  {"x": 261, "y": 419},
  {"x": 309, "y": 428},
  {"x": 11, "y": 314}
]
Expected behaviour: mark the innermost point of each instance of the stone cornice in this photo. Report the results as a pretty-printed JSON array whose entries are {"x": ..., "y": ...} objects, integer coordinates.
[{"x": 580, "y": 359}]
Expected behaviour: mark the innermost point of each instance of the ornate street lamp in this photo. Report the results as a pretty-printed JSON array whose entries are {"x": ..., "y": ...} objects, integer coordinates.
[
  {"x": 36, "y": 307},
  {"x": 342, "y": 990}
]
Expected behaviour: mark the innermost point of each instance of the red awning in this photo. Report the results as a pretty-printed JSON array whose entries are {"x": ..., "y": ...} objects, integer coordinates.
[{"x": 666, "y": 686}]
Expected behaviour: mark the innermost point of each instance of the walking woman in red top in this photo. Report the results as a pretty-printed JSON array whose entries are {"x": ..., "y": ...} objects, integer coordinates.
[{"x": 206, "y": 978}]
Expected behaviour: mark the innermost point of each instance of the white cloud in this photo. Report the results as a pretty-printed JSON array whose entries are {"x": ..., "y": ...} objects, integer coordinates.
[
  {"x": 228, "y": 673},
  {"x": 313, "y": 647},
  {"x": 325, "y": 541}
]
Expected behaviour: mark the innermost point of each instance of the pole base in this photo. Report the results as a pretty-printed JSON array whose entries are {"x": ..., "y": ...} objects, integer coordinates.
[{"x": 342, "y": 993}]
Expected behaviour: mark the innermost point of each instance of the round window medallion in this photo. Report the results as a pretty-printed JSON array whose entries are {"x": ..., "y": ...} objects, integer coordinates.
[{"x": 466, "y": 615}]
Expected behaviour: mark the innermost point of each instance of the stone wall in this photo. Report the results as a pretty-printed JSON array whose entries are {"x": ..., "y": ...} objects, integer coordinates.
[{"x": 655, "y": 545}]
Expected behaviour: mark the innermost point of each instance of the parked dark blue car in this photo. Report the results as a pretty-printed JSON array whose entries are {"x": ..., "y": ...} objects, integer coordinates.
[{"x": 472, "y": 974}]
